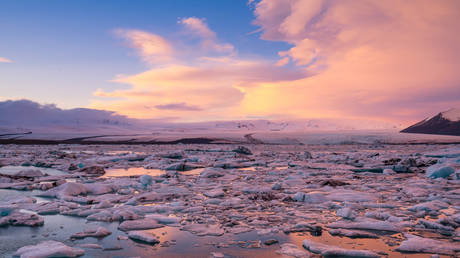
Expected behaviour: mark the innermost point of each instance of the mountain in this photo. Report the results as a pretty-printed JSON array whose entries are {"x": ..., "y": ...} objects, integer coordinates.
[
  {"x": 25, "y": 117},
  {"x": 445, "y": 123}
]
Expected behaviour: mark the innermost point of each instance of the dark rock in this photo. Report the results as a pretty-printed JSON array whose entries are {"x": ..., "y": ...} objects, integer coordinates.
[
  {"x": 243, "y": 150},
  {"x": 333, "y": 183},
  {"x": 270, "y": 242},
  {"x": 438, "y": 124},
  {"x": 93, "y": 170}
]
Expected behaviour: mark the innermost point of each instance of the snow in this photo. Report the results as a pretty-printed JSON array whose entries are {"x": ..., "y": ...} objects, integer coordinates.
[
  {"x": 292, "y": 250},
  {"x": 367, "y": 224},
  {"x": 452, "y": 114},
  {"x": 144, "y": 236},
  {"x": 204, "y": 229},
  {"x": 334, "y": 251},
  {"x": 139, "y": 224},
  {"x": 426, "y": 245},
  {"x": 48, "y": 249},
  {"x": 162, "y": 219},
  {"x": 98, "y": 233}
]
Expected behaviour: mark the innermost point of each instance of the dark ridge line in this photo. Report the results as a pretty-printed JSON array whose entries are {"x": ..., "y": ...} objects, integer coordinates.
[
  {"x": 420, "y": 132},
  {"x": 252, "y": 140},
  {"x": 11, "y": 134},
  {"x": 102, "y": 136},
  {"x": 199, "y": 140},
  {"x": 421, "y": 143}
]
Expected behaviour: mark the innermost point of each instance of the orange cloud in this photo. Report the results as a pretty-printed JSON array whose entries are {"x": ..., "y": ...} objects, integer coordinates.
[
  {"x": 151, "y": 47},
  {"x": 206, "y": 85},
  {"x": 215, "y": 86},
  {"x": 375, "y": 59},
  {"x": 209, "y": 42},
  {"x": 361, "y": 59}
]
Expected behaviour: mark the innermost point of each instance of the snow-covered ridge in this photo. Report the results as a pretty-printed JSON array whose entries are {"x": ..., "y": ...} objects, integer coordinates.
[
  {"x": 22, "y": 116},
  {"x": 452, "y": 114}
]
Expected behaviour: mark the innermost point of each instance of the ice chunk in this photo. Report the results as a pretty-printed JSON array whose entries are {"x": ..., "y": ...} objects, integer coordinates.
[
  {"x": 427, "y": 245},
  {"x": 439, "y": 171},
  {"x": 312, "y": 197},
  {"x": 146, "y": 180},
  {"x": 29, "y": 173},
  {"x": 98, "y": 233},
  {"x": 292, "y": 250},
  {"x": 352, "y": 233},
  {"x": 243, "y": 150},
  {"x": 144, "y": 236},
  {"x": 346, "y": 213},
  {"x": 212, "y": 173},
  {"x": 215, "y": 193},
  {"x": 163, "y": 219},
  {"x": 48, "y": 249},
  {"x": 367, "y": 225},
  {"x": 334, "y": 251},
  {"x": 351, "y": 196},
  {"x": 139, "y": 224},
  {"x": 204, "y": 229}
]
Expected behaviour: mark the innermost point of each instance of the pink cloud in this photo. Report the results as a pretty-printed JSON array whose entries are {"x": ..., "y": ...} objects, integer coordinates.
[
  {"x": 210, "y": 82},
  {"x": 357, "y": 59},
  {"x": 151, "y": 47},
  {"x": 5, "y": 60},
  {"x": 200, "y": 28},
  {"x": 367, "y": 55}
]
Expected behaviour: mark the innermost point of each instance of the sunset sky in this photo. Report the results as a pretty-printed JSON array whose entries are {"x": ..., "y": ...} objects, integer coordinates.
[{"x": 396, "y": 61}]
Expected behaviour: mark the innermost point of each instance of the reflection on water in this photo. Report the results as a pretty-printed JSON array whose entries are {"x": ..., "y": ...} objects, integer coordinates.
[
  {"x": 8, "y": 195},
  {"x": 248, "y": 169},
  {"x": 173, "y": 241},
  {"x": 260, "y": 168},
  {"x": 121, "y": 172},
  {"x": 375, "y": 245},
  {"x": 92, "y": 152}
]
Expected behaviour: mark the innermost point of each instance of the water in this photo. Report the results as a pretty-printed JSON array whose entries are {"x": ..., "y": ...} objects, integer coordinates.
[
  {"x": 131, "y": 172},
  {"x": 182, "y": 243}
]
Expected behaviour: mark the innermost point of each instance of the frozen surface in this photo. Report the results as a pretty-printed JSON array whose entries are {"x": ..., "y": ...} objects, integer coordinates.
[{"x": 346, "y": 199}]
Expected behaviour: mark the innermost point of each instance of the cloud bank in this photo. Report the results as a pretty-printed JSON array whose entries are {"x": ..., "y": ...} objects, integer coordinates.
[
  {"x": 204, "y": 81},
  {"x": 387, "y": 59},
  {"x": 390, "y": 60},
  {"x": 26, "y": 113}
]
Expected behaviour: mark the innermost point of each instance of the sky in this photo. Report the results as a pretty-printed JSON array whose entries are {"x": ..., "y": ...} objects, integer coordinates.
[{"x": 187, "y": 61}]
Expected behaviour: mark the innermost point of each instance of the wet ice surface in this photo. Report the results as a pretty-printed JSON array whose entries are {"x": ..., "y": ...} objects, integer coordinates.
[
  {"x": 208, "y": 200},
  {"x": 10, "y": 170},
  {"x": 123, "y": 172}
]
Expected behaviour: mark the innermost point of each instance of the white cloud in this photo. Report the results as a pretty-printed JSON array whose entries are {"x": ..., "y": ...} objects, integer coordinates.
[{"x": 200, "y": 28}]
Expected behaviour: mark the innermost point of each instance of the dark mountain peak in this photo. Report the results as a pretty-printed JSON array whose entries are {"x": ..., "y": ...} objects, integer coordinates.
[{"x": 444, "y": 123}]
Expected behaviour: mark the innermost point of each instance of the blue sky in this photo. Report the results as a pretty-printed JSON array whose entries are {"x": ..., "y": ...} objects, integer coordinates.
[{"x": 63, "y": 50}]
